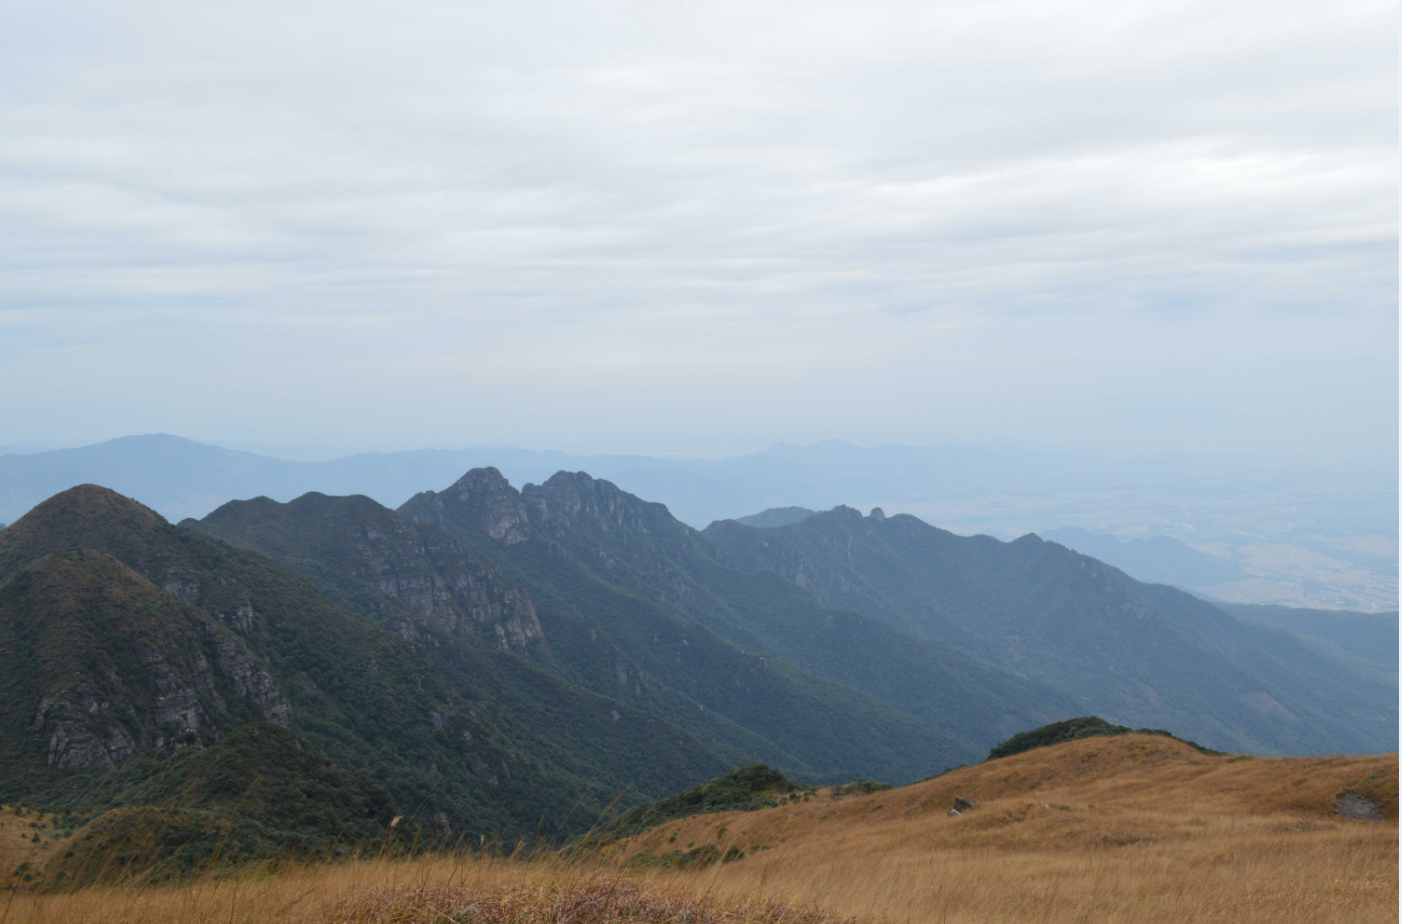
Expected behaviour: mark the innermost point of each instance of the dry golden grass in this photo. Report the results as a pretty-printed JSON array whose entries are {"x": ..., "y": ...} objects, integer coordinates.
[
  {"x": 24, "y": 839},
  {"x": 1131, "y": 829},
  {"x": 425, "y": 891}
]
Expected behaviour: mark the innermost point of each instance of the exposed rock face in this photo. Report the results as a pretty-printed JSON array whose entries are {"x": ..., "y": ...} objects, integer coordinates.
[
  {"x": 80, "y": 734},
  {"x": 440, "y": 582},
  {"x": 178, "y": 710},
  {"x": 574, "y": 501},
  {"x": 624, "y": 530},
  {"x": 500, "y": 510},
  {"x": 72, "y": 746},
  {"x": 250, "y": 681},
  {"x": 960, "y": 806},
  {"x": 1356, "y": 805},
  {"x": 483, "y": 771},
  {"x": 121, "y": 666},
  {"x": 483, "y": 498},
  {"x": 185, "y": 587}
]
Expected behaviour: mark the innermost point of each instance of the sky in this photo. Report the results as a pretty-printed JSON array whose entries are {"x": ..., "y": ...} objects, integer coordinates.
[{"x": 702, "y": 228}]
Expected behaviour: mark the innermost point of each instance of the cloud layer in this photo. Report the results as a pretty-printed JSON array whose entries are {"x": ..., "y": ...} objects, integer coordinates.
[{"x": 635, "y": 227}]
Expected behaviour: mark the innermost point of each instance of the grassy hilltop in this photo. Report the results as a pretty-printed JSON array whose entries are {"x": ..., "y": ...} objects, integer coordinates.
[{"x": 1121, "y": 828}]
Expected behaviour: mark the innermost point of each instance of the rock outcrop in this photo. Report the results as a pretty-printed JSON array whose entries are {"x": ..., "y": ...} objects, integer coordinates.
[
  {"x": 1357, "y": 805},
  {"x": 349, "y": 544},
  {"x": 119, "y": 666},
  {"x": 621, "y": 530}
]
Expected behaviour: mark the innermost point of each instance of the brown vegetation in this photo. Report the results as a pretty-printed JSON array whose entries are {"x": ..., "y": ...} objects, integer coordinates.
[
  {"x": 425, "y": 891},
  {"x": 1127, "y": 829},
  {"x": 1131, "y": 828},
  {"x": 27, "y": 842}
]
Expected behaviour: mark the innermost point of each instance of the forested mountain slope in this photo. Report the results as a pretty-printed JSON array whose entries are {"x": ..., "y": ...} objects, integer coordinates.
[
  {"x": 124, "y": 634},
  {"x": 583, "y": 543},
  {"x": 1371, "y": 636},
  {"x": 1144, "y": 655},
  {"x": 426, "y": 585}
]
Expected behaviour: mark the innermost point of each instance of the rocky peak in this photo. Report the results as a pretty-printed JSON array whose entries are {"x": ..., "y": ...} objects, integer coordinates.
[
  {"x": 575, "y": 502},
  {"x": 486, "y": 497},
  {"x": 584, "y": 500},
  {"x": 406, "y": 557}
]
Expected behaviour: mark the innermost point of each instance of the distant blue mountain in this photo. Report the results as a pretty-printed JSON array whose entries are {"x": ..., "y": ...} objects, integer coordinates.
[
  {"x": 966, "y": 489},
  {"x": 776, "y": 516},
  {"x": 1159, "y": 560},
  {"x": 181, "y": 478}
]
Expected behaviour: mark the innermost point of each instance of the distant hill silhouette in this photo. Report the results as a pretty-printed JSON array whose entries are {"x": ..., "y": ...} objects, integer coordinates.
[
  {"x": 1372, "y": 636},
  {"x": 776, "y": 516},
  {"x": 1157, "y": 560}
]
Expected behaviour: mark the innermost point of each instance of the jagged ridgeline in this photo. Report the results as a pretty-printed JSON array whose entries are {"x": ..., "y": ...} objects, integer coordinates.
[
  {"x": 123, "y": 636},
  {"x": 482, "y": 552},
  {"x": 835, "y": 694}
]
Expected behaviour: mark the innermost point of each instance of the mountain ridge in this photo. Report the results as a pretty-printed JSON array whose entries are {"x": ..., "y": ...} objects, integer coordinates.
[
  {"x": 367, "y": 696},
  {"x": 618, "y": 548},
  {"x": 1071, "y": 621}
]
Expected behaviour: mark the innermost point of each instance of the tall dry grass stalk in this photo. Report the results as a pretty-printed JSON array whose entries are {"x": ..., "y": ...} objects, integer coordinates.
[{"x": 431, "y": 890}]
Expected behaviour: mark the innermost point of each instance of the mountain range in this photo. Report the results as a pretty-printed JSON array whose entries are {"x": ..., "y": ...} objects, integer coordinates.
[
  {"x": 520, "y": 663},
  {"x": 1282, "y": 534}
]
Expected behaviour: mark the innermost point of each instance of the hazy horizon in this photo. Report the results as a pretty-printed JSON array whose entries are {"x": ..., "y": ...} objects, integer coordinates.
[
  {"x": 1294, "y": 534},
  {"x": 701, "y": 231},
  {"x": 1265, "y": 461}
]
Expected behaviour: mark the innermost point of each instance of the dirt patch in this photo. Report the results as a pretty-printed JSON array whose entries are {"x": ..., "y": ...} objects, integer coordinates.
[{"x": 1357, "y": 805}]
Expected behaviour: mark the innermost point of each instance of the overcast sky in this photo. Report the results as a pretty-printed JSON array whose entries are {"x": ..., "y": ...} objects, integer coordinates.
[{"x": 613, "y": 227}]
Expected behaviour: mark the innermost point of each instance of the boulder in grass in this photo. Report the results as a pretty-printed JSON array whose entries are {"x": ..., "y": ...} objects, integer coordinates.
[
  {"x": 1357, "y": 805},
  {"x": 961, "y": 805}
]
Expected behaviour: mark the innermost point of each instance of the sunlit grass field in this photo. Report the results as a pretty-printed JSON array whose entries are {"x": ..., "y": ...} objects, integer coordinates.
[{"x": 1128, "y": 829}]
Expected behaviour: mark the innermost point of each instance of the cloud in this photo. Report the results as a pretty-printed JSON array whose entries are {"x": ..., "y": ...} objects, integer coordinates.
[{"x": 959, "y": 211}]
